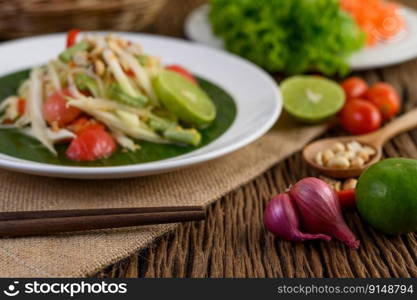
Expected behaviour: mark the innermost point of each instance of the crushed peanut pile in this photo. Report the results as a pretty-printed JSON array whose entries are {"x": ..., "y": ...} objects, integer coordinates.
[{"x": 345, "y": 156}]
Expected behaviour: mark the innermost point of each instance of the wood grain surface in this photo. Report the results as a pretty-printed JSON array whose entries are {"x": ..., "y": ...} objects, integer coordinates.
[{"x": 232, "y": 242}]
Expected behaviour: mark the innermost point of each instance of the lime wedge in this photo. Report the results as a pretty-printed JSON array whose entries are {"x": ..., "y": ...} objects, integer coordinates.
[
  {"x": 312, "y": 99},
  {"x": 184, "y": 99}
]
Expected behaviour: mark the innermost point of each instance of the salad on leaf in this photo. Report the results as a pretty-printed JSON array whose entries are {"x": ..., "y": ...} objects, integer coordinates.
[{"x": 104, "y": 92}]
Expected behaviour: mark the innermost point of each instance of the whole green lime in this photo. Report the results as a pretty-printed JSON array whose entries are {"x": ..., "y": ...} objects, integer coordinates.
[{"x": 386, "y": 195}]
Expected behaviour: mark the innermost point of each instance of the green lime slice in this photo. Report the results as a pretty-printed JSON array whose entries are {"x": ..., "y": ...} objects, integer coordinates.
[
  {"x": 312, "y": 99},
  {"x": 184, "y": 99}
]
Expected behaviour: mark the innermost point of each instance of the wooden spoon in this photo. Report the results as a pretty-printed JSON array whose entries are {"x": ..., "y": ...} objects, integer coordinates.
[{"x": 375, "y": 140}]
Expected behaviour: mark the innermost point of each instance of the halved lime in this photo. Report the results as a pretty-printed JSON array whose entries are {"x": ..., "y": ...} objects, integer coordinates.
[
  {"x": 311, "y": 98},
  {"x": 184, "y": 99}
]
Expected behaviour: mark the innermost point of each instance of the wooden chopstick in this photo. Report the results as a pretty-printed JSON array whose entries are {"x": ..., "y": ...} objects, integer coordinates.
[
  {"x": 30, "y": 223},
  {"x": 41, "y": 214}
]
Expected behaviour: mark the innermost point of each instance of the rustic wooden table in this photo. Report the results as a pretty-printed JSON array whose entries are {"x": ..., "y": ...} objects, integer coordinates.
[{"x": 232, "y": 241}]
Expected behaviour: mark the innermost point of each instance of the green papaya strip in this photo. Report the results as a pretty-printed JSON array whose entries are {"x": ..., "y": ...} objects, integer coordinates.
[
  {"x": 86, "y": 83},
  {"x": 115, "y": 92},
  {"x": 67, "y": 55},
  {"x": 186, "y": 136}
]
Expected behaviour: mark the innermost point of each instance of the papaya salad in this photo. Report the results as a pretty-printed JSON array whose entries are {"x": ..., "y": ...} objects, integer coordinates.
[{"x": 104, "y": 92}]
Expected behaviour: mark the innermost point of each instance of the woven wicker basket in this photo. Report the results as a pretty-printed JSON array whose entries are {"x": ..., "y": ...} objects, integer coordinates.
[{"x": 20, "y": 18}]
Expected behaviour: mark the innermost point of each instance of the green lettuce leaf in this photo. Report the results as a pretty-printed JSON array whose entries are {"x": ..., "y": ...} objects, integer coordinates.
[{"x": 291, "y": 36}]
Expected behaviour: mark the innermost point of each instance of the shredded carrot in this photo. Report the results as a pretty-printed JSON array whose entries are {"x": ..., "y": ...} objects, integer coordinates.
[{"x": 380, "y": 20}]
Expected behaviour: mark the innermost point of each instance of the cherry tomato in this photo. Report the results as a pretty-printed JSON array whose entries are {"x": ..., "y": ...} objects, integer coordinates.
[
  {"x": 347, "y": 198},
  {"x": 354, "y": 87},
  {"x": 360, "y": 117},
  {"x": 21, "y": 106},
  {"x": 386, "y": 98},
  {"x": 83, "y": 123},
  {"x": 72, "y": 37},
  {"x": 183, "y": 72},
  {"x": 55, "y": 110},
  {"x": 91, "y": 144}
]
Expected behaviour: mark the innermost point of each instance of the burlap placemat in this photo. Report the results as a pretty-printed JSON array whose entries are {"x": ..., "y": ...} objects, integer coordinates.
[{"x": 83, "y": 254}]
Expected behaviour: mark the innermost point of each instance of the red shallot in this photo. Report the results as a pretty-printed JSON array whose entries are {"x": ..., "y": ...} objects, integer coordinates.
[
  {"x": 281, "y": 219},
  {"x": 320, "y": 210}
]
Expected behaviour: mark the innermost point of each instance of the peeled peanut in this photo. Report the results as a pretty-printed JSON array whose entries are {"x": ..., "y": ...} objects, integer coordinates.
[
  {"x": 357, "y": 162},
  {"x": 363, "y": 154},
  {"x": 350, "y": 184},
  {"x": 348, "y": 154},
  {"x": 354, "y": 146},
  {"x": 319, "y": 158},
  {"x": 99, "y": 67},
  {"x": 335, "y": 184},
  {"x": 339, "y": 162},
  {"x": 327, "y": 155},
  {"x": 122, "y": 43},
  {"x": 371, "y": 151},
  {"x": 97, "y": 51},
  {"x": 338, "y": 147}
]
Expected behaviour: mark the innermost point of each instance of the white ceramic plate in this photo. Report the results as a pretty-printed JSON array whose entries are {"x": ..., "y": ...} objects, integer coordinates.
[
  {"x": 400, "y": 49},
  {"x": 256, "y": 95}
]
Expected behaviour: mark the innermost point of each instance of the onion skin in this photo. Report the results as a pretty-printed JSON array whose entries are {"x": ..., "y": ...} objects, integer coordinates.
[
  {"x": 280, "y": 218},
  {"x": 320, "y": 211}
]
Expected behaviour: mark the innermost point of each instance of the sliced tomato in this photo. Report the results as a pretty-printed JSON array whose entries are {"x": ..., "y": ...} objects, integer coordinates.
[
  {"x": 184, "y": 72},
  {"x": 72, "y": 37},
  {"x": 90, "y": 145},
  {"x": 21, "y": 106},
  {"x": 84, "y": 123},
  {"x": 55, "y": 109},
  {"x": 347, "y": 198}
]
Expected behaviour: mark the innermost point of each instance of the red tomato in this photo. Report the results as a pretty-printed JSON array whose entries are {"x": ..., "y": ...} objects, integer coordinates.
[
  {"x": 130, "y": 73},
  {"x": 84, "y": 123},
  {"x": 91, "y": 144},
  {"x": 183, "y": 72},
  {"x": 386, "y": 98},
  {"x": 55, "y": 110},
  {"x": 72, "y": 37},
  {"x": 347, "y": 198},
  {"x": 360, "y": 117},
  {"x": 354, "y": 87},
  {"x": 21, "y": 106}
]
